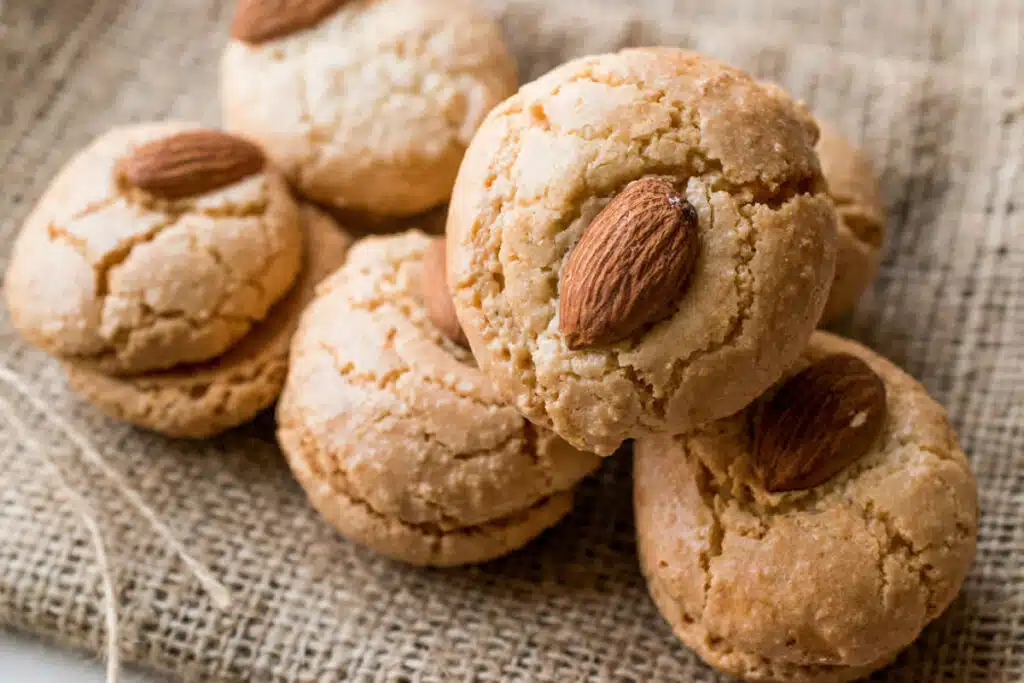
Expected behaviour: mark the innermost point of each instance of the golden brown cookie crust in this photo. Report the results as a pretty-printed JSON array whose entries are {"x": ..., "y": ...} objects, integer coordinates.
[
  {"x": 400, "y": 441},
  {"x": 106, "y": 275},
  {"x": 199, "y": 401},
  {"x": 853, "y": 186},
  {"x": 421, "y": 544},
  {"x": 824, "y": 585},
  {"x": 548, "y": 159},
  {"x": 372, "y": 108}
]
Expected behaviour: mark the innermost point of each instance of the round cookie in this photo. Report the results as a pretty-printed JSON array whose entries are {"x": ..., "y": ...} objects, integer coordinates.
[
  {"x": 663, "y": 199},
  {"x": 201, "y": 400},
  {"x": 854, "y": 189},
  {"x": 818, "y": 583},
  {"x": 130, "y": 277},
  {"x": 399, "y": 440},
  {"x": 367, "y": 104}
]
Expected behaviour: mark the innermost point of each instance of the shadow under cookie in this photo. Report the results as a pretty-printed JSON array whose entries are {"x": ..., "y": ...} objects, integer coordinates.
[{"x": 201, "y": 400}]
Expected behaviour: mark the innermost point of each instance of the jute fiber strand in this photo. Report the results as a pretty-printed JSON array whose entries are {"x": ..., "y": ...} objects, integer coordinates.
[{"x": 934, "y": 89}]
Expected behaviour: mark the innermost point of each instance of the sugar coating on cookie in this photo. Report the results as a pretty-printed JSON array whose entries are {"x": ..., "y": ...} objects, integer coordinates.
[
  {"x": 399, "y": 440},
  {"x": 853, "y": 186},
  {"x": 201, "y": 400},
  {"x": 825, "y": 584},
  {"x": 373, "y": 106},
  {"x": 551, "y": 158},
  {"x": 106, "y": 274}
]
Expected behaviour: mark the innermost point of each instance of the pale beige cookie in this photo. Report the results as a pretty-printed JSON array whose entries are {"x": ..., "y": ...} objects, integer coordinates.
[
  {"x": 399, "y": 440},
  {"x": 820, "y": 584},
  {"x": 366, "y": 104},
  {"x": 853, "y": 186},
  {"x": 198, "y": 401},
  {"x": 674, "y": 209},
  {"x": 132, "y": 278}
]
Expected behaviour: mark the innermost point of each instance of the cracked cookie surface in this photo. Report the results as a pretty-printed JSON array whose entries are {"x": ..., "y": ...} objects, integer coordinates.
[
  {"x": 399, "y": 440},
  {"x": 826, "y": 584},
  {"x": 201, "y": 400},
  {"x": 105, "y": 275},
  {"x": 547, "y": 160},
  {"x": 372, "y": 108},
  {"x": 854, "y": 189}
]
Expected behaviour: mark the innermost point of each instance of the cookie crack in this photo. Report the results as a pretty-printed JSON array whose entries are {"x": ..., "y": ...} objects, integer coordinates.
[
  {"x": 744, "y": 287},
  {"x": 172, "y": 214},
  {"x": 892, "y": 542},
  {"x": 251, "y": 209},
  {"x": 243, "y": 281},
  {"x": 454, "y": 389},
  {"x": 114, "y": 257},
  {"x": 716, "y": 535},
  {"x": 93, "y": 207},
  {"x": 57, "y": 233},
  {"x": 702, "y": 165},
  {"x": 334, "y": 476},
  {"x": 347, "y": 370},
  {"x": 410, "y": 308},
  {"x": 715, "y": 495},
  {"x": 389, "y": 381},
  {"x": 425, "y": 65},
  {"x": 118, "y": 256},
  {"x": 121, "y": 338},
  {"x": 839, "y": 485},
  {"x": 524, "y": 439}
]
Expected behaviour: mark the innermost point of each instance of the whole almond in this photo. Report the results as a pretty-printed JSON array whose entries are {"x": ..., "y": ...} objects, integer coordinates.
[
  {"x": 631, "y": 265},
  {"x": 190, "y": 163},
  {"x": 818, "y": 422},
  {"x": 257, "y": 21},
  {"x": 434, "y": 290}
]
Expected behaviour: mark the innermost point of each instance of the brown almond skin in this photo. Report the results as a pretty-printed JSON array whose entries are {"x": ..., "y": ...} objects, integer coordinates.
[
  {"x": 631, "y": 266},
  {"x": 436, "y": 297},
  {"x": 257, "y": 21},
  {"x": 190, "y": 163},
  {"x": 819, "y": 422}
]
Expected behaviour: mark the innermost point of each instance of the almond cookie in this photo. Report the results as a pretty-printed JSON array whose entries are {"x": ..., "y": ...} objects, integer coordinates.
[
  {"x": 399, "y": 440},
  {"x": 201, "y": 400},
  {"x": 367, "y": 104},
  {"x": 854, "y": 189},
  {"x": 157, "y": 245},
  {"x": 813, "y": 535},
  {"x": 639, "y": 243}
]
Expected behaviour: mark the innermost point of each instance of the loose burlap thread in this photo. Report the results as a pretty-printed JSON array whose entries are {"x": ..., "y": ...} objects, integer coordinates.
[{"x": 932, "y": 88}]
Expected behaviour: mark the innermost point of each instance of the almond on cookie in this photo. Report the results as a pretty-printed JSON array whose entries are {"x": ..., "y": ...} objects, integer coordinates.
[
  {"x": 154, "y": 264},
  {"x": 367, "y": 106},
  {"x": 399, "y": 440},
  {"x": 640, "y": 243},
  {"x": 813, "y": 535}
]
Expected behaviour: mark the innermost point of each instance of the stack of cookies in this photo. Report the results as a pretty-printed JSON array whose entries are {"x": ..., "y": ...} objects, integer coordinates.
[{"x": 639, "y": 249}]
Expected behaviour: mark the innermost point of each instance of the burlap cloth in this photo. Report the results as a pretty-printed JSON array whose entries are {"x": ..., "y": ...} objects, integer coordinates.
[{"x": 933, "y": 88}]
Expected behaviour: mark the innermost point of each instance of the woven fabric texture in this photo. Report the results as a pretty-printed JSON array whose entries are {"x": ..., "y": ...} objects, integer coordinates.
[{"x": 932, "y": 88}]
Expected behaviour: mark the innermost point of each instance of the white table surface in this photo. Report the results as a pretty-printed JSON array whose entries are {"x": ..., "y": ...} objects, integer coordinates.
[{"x": 23, "y": 659}]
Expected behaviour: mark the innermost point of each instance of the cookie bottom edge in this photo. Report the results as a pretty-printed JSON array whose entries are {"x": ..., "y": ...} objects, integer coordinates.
[
  {"x": 426, "y": 545},
  {"x": 749, "y": 666},
  {"x": 196, "y": 410}
]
